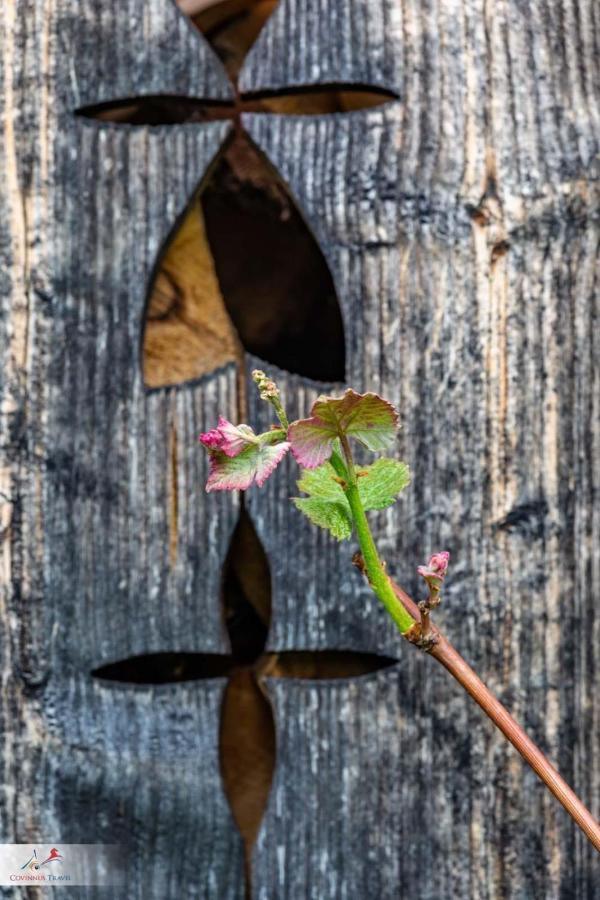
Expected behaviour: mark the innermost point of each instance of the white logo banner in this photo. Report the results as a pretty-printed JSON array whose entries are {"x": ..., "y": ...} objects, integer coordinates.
[{"x": 58, "y": 864}]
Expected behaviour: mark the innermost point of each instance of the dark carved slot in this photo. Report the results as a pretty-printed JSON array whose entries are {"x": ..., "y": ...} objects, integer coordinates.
[
  {"x": 324, "y": 664},
  {"x": 246, "y": 593},
  {"x": 242, "y": 271},
  {"x": 159, "y": 109},
  {"x": 231, "y": 27},
  {"x": 170, "y": 109},
  {"x": 163, "y": 668},
  {"x": 276, "y": 284},
  {"x": 247, "y": 738},
  {"x": 247, "y": 754},
  {"x": 316, "y": 100}
]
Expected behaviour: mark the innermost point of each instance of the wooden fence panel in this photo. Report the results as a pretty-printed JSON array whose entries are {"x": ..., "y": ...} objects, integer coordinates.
[{"x": 460, "y": 224}]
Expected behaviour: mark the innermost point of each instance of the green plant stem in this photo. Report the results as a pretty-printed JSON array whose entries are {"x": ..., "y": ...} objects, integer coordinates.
[
  {"x": 374, "y": 566},
  {"x": 272, "y": 437},
  {"x": 280, "y": 412}
]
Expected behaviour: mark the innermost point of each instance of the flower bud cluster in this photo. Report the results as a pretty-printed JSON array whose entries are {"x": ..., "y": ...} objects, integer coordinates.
[{"x": 267, "y": 388}]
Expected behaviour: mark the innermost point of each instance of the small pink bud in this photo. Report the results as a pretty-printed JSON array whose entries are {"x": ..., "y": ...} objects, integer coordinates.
[
  {"x": 230, "y": 439},
  {"x": 211, "y": 439},
  {"x": 435, "y": 570},
  {"x": 439, "y": 562}
]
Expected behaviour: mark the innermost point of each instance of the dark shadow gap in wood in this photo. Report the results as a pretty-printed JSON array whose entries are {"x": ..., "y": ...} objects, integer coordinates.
[
  {"x": 163, "y": 668},
  {"x": 231, "y": 27},
  {"x": 246, "y": 593},
  {"x": 247, "y": 732},
  {"x": 170, "y": 109},
  {"x": 274, "y": 279},
  {"x": 247, "y": 753},
  {"x": 186, "y": 329},
  {"x": 158, "y": 109},
  {"x": 317, "y": 99},
  {"x": 323, "y": 664}
]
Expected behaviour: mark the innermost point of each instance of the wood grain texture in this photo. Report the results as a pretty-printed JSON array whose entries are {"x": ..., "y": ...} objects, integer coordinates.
[
  {"x": 343, "y": 42},
  {"x": 125, "y": 49},
  {"x": 340, "y": 747},
  {"x": 99, "y": 475},
  {"x": 139, "y": 766},
  {"x": 461, "y": 226}
]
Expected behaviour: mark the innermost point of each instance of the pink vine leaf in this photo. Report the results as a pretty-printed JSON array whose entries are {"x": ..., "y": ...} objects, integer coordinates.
[
  {"x": 252, "y": 465},
  {"x": 239, "y": 457},
  {"x": 366, "y": 417}
]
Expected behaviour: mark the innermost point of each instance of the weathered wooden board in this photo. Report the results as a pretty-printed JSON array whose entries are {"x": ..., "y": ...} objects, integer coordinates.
[
  {"x": 344, "y": 42},
  {"x": 461, "y": 226},
  {"x": 110, "y": 549}
]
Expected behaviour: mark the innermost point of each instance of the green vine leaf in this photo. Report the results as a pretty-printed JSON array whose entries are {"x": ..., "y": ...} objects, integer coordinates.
[
  {"x": 322, "y": 483},
  {"x": 335, "y": 517},
  {"x": 381, "y": 482},
  {"x": 378, "y": 484}
]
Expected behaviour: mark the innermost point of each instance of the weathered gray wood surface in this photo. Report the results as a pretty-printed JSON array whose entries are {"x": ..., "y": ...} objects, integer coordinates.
[
  {"x": 461, "y": 226},
  {"x": 88, "y": 465}
]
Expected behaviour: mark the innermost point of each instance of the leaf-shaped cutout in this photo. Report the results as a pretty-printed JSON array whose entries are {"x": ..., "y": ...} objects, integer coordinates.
[
  {"x": 316, "y": 99},
  {"x": 241, "y": 271},
  {"x": 247, "y": 738},
  {"x": 327, "y": 664},
  {"x": 187, "y": 331},
  {"x": 171, "y": 109},
  {"x": 164, "y": 668},
  {"x": 246, "y": 592},
  {"x": 274, "y": 278},
  {"x": 157, "y": 110},
  {"x": 247, "y": 754},
  {"x": 230, "y": 26}
]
